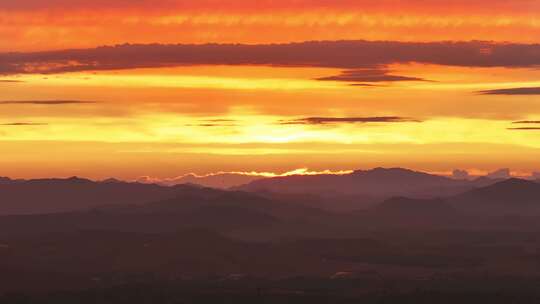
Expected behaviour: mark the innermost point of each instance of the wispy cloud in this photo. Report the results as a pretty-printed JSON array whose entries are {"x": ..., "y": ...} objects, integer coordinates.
[
  {"x": 347, "y": 120},
  {"x": 512, "y": 91}
]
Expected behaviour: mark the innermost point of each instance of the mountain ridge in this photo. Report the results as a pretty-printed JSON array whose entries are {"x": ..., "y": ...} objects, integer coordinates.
[
  {"x": 379, "y": 182},
  {"x": 509, "y": 197}
]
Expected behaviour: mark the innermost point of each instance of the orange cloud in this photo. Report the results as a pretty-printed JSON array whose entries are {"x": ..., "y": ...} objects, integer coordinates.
[
  {"x": 247, "y": 5},
  {"x": 39, "y": 25}
]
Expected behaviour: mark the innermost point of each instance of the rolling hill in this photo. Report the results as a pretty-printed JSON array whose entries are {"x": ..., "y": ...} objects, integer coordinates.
[{"x": 509, "y": 197}]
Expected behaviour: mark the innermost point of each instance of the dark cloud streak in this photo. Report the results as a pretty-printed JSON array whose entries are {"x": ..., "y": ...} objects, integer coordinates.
[
  {"x": 10, "y": 81},
  {"x": 45, "y": 102},
  {"x": 215, "y": 123},
  {"x": 17, "y": 124},
  {"x": 369, "y": 75},
  {"x": 348, "y": 120},
  {"x": 525, "y": 129},
  {"x": 527, "y": 122},
  {"x": 512, "y": 91},
  {"x": 333, "y": 54},
  {"x": 211, "y": 125},
  {"x": 369, "y": 85}
]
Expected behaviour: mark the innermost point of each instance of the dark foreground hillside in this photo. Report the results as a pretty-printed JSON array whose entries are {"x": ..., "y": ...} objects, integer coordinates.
[
  {"x": 201, "y": 266},
  {"x": 200, "y": 245},
  {"x": 297, "y": 291}
]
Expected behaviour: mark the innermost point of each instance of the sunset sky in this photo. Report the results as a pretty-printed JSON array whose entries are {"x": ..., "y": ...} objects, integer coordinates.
[{"x": 132, "y": 88}]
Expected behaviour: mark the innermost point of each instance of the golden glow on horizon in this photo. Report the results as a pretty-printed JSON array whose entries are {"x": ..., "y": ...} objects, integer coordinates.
[
  {"x": 244, "y": 122},
  {"x": 174, "y": 81},
  {"x": 102, "y": 160},
  {"x": 174, "y": 120},
  {"x": 267, "y": 129}
]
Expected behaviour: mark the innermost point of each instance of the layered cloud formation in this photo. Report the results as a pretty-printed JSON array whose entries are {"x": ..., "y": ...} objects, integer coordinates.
[
  {"x": 328, "y": 54},
  {"x": 60, "y": 24},
  {"x": 163, "y": 88}
]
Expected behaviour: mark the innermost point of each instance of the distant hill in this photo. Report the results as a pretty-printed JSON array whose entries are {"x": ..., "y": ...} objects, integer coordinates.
[
  {"x": 61, "y": 195},
  {"x": 196, "y": 198},
  {"x": 402, "y": 206},
  {"x": 379, "y": 183},
  {"x": 70, "y": 205},
  {"x": 509, "y": 197},
  {"x": 412, "y": 212},
  {"x": 211, "y": 209},
  {"x": 330, "y": 192},
  {"x": 218, "y": 180}
]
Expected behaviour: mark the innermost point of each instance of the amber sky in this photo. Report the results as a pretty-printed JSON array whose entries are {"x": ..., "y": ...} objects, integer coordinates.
[{"x": 163, "y": 88}]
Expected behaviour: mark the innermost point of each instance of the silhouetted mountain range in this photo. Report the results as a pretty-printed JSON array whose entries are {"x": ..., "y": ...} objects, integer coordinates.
[
  {"x": 218, "y": 180},
  {"x": 143, "y": 208},
  {"x": 60, "y": 205},
  {"x": 60, "y": 195},
  {"x": 357, "y": 190},
  {"x": 414, "y": 208},
  {"x": 378, "y": 183},
  {"x": 76, "y": 233}
]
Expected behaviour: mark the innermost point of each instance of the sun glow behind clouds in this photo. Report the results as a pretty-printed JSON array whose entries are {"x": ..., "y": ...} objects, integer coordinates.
[
  {"x": 172, "y": 120},
  {"x": 265, "y": 78},
  {"x": 246, "y": 128},
  {"x": 174, "y": 82},
  {"x": 151, "y": 105}
]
